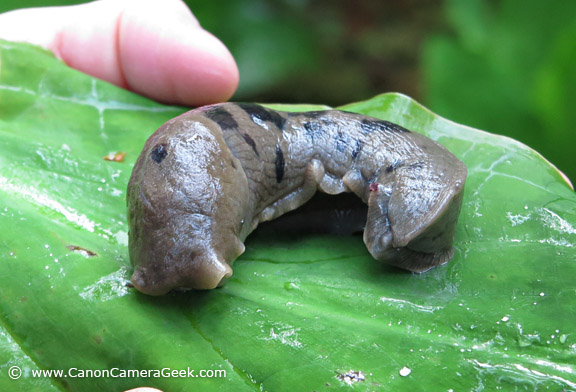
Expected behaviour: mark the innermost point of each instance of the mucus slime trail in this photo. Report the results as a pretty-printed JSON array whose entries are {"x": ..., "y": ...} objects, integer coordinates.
[{"x": 205, "y": 179}]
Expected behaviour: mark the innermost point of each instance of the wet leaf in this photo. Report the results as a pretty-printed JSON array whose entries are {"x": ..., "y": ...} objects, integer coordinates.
[{"x": 302, "y": 311}]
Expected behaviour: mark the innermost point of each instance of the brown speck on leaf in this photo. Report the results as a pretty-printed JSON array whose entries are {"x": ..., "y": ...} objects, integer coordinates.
[
  {"x": 115, "y": 156},
  {"x": 83, "y": 251},
  {"x": 351, "y": 376}
]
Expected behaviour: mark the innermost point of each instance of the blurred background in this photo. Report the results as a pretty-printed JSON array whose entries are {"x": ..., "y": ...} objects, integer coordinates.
[{"x": 507, "y": 66}]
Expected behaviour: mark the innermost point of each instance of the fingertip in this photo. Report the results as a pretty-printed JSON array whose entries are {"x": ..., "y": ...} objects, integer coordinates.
[
  {"x": 207, "y": 73},
  {"x": 166, "y": 55},
  {"x": 155, "y": 48}
]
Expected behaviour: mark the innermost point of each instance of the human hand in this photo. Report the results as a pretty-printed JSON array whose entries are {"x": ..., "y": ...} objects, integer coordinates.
[{"x": 152, "y": 47}]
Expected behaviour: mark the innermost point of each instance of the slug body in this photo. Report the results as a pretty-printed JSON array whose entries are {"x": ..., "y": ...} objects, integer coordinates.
[{"x": 206, "y": 179}]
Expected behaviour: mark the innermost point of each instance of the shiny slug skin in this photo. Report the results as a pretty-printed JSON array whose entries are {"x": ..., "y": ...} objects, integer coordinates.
[{"x": 206, "y": 178}]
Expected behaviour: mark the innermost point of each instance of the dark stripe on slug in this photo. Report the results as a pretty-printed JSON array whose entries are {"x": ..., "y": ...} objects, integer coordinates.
[
  {"x": 158, "y": 153},
  {"x": 311, "y": 115},
  {"x": 221, "y": 116},
  {"x": 357, "y": 149},
  {"x": 398, "y": 164},
  {"x": 342, "y": 141},
  {"x": 394, "y": 165},
  {"x": 368, "y": 126},
  {"x": 313, "y": 129},
  {"x": 394, "y": 127},
  {"x": 279, "y": 164},
  {"x": 260, "y": 114},
  {"x": 251, "y": 143}
]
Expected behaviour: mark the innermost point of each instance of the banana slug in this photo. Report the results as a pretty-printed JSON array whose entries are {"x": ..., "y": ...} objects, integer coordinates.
[{"x": 206, "y": 178}]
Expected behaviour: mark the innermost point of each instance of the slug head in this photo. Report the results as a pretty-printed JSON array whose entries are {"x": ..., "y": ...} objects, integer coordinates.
[{"x": 185, "y": 201}]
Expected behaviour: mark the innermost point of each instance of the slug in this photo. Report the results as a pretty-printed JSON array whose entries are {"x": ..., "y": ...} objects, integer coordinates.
[{"x": 208, "y": 177}]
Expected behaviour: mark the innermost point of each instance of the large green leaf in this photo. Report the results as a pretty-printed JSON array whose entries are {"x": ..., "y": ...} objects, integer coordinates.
[{"x": 301, "y": 311}]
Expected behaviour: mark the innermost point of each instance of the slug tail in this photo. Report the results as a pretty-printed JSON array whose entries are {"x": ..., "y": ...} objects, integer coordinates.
[
  {"x": 415, "y": 242},
  {"x": 415, "y": 261}
]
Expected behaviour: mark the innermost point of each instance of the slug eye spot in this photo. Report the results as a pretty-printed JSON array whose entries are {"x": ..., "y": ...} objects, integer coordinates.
[{"x": 158, "y": 153}]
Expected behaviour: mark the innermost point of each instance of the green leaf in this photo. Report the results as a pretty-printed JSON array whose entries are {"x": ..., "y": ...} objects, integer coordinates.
[{"x": 302, "y": 312}]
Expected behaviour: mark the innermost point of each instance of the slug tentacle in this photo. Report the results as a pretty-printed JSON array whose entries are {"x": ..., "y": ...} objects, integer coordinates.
[{"x": 206, "y": 179}]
